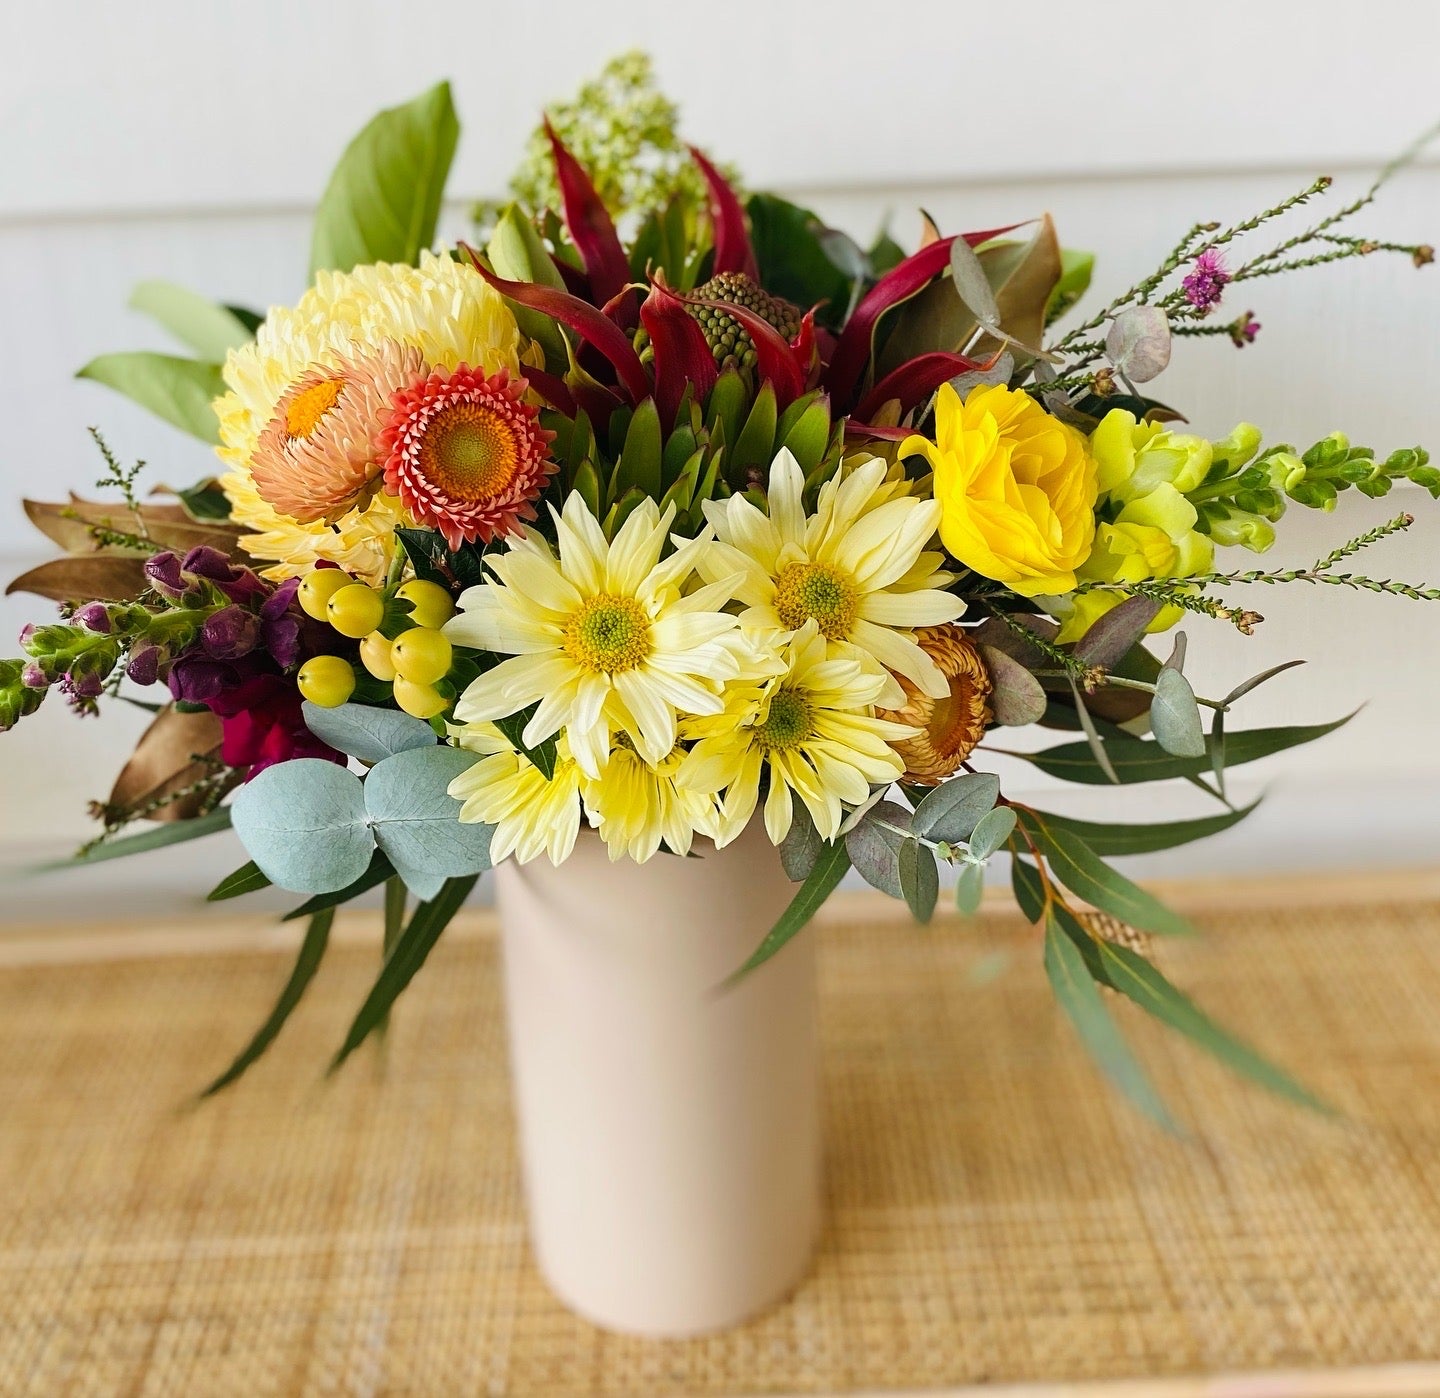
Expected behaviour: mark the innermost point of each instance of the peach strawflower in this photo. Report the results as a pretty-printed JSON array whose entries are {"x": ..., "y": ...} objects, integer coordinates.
[
  {"x": 949, "y": 727},
  {"x": 465, "y": 454}
]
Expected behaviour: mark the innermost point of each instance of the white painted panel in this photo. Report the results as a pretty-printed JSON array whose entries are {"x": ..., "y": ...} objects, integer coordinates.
[{"x": 172, "y": 104}]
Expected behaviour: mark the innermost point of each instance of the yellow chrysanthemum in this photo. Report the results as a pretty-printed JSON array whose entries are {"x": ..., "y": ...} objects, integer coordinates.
[
  {"x": 600, "y": 636},
  {"x": 858, "y": 567},
  {"x": 1016, "y": 488},
  {"x": 810, "y": 727},
  {"x": 636, "y": 804},
  {"x": 532, "y": 815},
  {"x": 443, "y": 309}
]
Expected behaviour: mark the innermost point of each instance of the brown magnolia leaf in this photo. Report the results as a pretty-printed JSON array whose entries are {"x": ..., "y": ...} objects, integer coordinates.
[
  {"x": 164, "y": 762},
  {"x": 929, "y": 230},
  {"x": 97, "y": 577},
  {"x": 1024, "y": 275},
  {"x": 70, "y": 524}
]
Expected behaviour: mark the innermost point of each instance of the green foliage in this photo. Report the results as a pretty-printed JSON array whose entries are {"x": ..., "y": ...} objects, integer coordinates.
[
  {"x": 919, "y": 879},
  {"x": 246, "y": 879},
  {"x": 1106, "y": 838},
  {"x": 173, "y": 832},
  {"x": 208, "y": 329},
  {"x": 176, "y": 389},
  {"x": 952, "y": 810},
  {"x": 792, "y": 260},
  {"x": 376, "y": 873},
  {"x": 383, "y": 199},
  {"x": 823, "y": 880},
  {"x": 307, "y": 962},
  {"x": 364, "y": 731}
]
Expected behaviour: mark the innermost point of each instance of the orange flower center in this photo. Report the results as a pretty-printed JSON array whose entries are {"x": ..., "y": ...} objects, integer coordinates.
[
  {"x": 469, "y": 451},
  {"x": 307, "y": 406}
]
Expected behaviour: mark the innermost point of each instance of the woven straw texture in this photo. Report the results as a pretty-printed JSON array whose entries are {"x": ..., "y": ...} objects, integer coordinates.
[{"x": 994, "y": 1213}]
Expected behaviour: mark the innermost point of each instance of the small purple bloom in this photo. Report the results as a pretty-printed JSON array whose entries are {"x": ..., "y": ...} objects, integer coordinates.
[
  {"x": 281, "y": 638},
  {"x": 165, "y": 575},
  {"x": 33, "y": 677},
  {"x": 93, "y": 616},
  {"x": 230, "y": 633},
  {"x": 1244, "y": 330},
  {"x": 278, "y": 603},
  {"x": 144, "y": 666},
  {"x": 197, "y": 680},
  {"x": 26, "y": 632},
  {"x": 1206, "y": 281},
  {"x": 88, "y": 684}
]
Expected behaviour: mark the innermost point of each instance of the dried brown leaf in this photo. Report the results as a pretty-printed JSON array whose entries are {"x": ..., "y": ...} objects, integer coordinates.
[
  {"x": 164, "y": 762},
  {"x": 97, "y": 577}
]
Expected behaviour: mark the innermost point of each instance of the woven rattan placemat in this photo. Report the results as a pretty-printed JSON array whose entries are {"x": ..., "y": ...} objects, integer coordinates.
[{"x": 994, "y": 1213}]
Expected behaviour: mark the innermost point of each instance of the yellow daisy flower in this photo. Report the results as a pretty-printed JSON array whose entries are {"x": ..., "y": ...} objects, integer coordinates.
[
  {"x": 811, "y": 728},
  {"x": 440, "y": 314},
  {"x": 600, "y": 636},
  {"x": 636, "y": 804},
  {"x": 858, "y": 569},
  {"x": 531, "y": 815}
]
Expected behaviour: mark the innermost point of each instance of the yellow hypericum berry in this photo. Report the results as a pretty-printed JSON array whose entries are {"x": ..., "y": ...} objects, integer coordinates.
[
  {"x": 431, "y": 604},
  {"x": 318, "y": 587},
  {"x": 419, "y": 700},
  {"x": 327, "y": 680},
  {"x": 421, "y": 655},
  {"x": 355, "y": 610},
  {"x": 375, "y": 656}
]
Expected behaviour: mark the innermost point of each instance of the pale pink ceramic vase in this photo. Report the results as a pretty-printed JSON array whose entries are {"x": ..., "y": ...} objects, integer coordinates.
[{"x": 669, "y": 1128}]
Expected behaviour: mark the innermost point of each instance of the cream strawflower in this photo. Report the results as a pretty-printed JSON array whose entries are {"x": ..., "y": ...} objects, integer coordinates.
[
  {"x": 636, "y": 805},
  {"x": 811, "y": 728},
  {"x": 601, "y": 637},
  {"x": 437, "y": 315},
  {"x": 532, "y": 815},
  {"x": 858, "y": 569}
]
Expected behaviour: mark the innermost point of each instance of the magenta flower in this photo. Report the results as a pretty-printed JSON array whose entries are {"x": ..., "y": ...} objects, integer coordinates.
[
  {"x": 1206, "y": 281},
  {"x": 1244, "y": 330}
]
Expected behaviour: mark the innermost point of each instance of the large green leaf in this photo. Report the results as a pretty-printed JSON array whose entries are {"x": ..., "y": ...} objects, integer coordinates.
[
  {"x": 307, "y": 962},
  {"x": 378, "y": 871},
  {"x": 1140, "y": 760},
  {"x": 362, "y": 730},
  {"x": 1079, "y": 996},
  {"x": 383, "y": 200},
  {"x": 171, "y": 833},
  {"x": 1136, "y": 978},
  {"x": 246, "y": 879},
  {"x": 953, "y": 809},
  {"x": 824, "y": 878},
  {"x": 407, "y": 957},
  {"x": 1106, "y": 838},
  {"x": 212, "y": 331},
  {"x": 792, "y": 260},
  {"x": 176, "y": 389},
  {"x": 1085, "y": 874}
]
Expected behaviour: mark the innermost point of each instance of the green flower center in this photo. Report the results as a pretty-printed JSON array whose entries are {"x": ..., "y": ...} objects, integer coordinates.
[
  {"x": 789, "y": 723},
  {"x": 815, "y": 592},
  {"x": 608, "y": 634}
]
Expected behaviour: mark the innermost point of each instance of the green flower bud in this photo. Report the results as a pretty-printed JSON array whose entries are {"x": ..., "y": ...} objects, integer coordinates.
[
  {"x": 1317, "y": 495},
  {"x": 1236, "y": 528},
  {"x": 1239, "y": 447},
  {"x": 1286, "y": 470},
  {"x": 1376, "y": 487}
]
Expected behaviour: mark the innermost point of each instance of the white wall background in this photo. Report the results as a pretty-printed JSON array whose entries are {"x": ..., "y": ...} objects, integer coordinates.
[{"x": 188, "y": 141}]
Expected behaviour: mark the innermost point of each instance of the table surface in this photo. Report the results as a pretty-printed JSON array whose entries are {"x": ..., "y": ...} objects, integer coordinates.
[{"x": 996, "y": 1218}]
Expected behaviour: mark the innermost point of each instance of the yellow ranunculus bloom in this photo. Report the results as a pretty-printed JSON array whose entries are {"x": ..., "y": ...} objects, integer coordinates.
[{"x": 1016, "y": 488}]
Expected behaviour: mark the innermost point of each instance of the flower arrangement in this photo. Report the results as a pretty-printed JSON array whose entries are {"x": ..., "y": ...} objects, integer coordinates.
[{"x": 660, "y": 527}]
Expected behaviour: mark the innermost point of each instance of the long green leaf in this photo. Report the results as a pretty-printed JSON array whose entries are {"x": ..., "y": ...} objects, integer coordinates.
[
  {"x": 380, "y": 869},
  {"x": 1136, "y": 978},
  {"x": 408, "y": 956},
  {"x": 1029, "y": 890},
  {"x": 1079, "y": 996},
  {"x": 824, "y": 878},
  {"x": 246, "y": 879},
  {"x": 171, "y": 833},
  {"x": 383, "y": 200},
  {"x": 209, "y": 329},
  {"x": 1105, "y": 838},
  {"x": 312, "y": 951},
  {"x": 176, "y": 389},
  {"x": 1139, "y": 760},
  {"x": 1088, "y": 876}
]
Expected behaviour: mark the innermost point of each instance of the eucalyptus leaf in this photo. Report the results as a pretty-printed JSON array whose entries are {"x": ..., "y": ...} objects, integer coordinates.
[
  {"x": 823, "y": 880},
  {"x": 919, "y": 879},
  {"x": 994, "y": 829},
  {"x": 1079, "y": 996},
  {"x": 1000, "y": 372},
  {"x": 417, "y": 822},
  {"x": 1017, "y": 698},
  {"x": 1177, "y": 654},
  {"x": 1112, "y": 636},
  {"x": 303, "y": 823},
  {"x": 973, "y": 286},
  {"x": 173, "y": 832},
  {"x": 1092, "y": 735},
  {"x": 970, "y": 889},
  {"x": 801, "y": 846},
  {"x": 1255, "y": 681},
  {"x": 364, "y": 731},
  {"x": 1028, "y": 887},
  {"x": 174, "y": 388},
  {"x": 874, "y": 848},
  {"x": 952, "y": 810},
  {"x": 1113, "y": 838},
  {"x": 376, "y": 873},
  {"x": 212, "y": 331},
  {"x": 246, "y": 879},
  {"x": 1086, "y": 875},
  {"x": 383, "y": 199},
  {"x": 1175, "y": 716},
  {"x": 1138, "y": 343}
]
